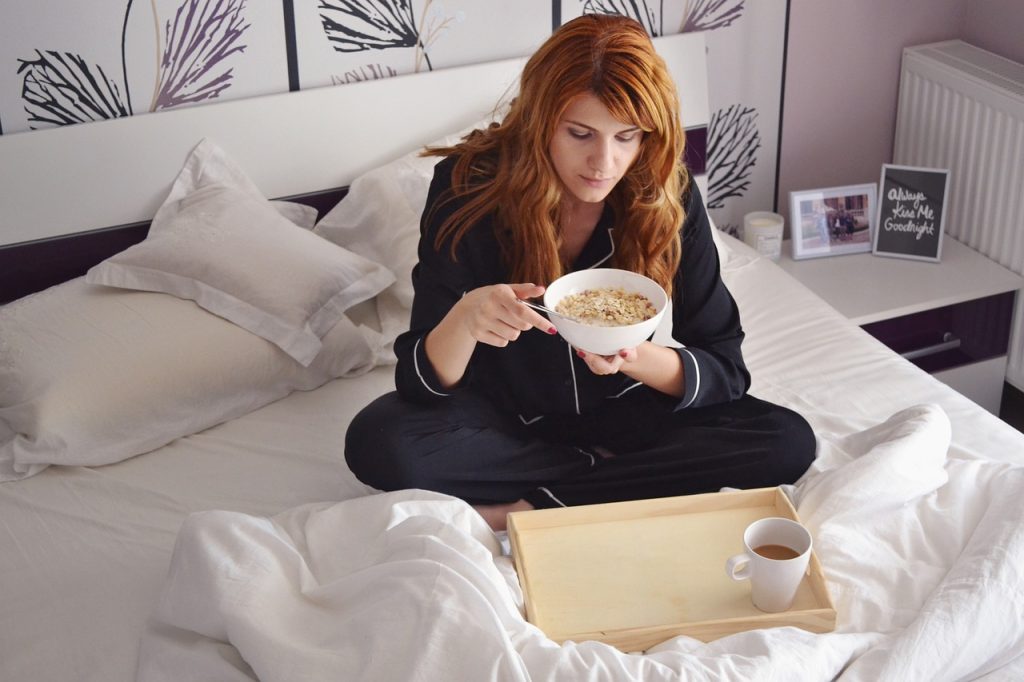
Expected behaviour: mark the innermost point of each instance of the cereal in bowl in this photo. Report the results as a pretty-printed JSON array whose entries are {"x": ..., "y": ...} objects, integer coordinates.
[{"x": 607, "y": 307}]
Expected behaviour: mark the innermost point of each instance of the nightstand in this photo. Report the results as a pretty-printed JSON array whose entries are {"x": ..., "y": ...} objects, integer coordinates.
[{"x": 952, "y": 318}]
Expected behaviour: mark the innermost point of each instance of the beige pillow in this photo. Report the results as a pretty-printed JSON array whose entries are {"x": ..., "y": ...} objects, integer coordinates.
[
  {"x": 218, "y": 242},
  {"x": 91, "y": 375},
  {"x": 379, "y": 218}
]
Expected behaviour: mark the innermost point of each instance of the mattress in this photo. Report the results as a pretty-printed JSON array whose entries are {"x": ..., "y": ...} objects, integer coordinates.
[{"x": 85, "y": 551}]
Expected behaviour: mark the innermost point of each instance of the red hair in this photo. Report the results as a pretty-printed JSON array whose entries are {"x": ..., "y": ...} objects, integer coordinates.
[{"x": 506, "y": 169}]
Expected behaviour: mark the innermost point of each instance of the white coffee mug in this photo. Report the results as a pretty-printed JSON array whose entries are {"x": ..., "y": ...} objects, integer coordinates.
[{"x": 775, "y": 561}]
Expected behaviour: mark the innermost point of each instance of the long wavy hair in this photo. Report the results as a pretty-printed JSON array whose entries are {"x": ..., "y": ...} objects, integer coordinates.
[{"x": 506, "y": 169}]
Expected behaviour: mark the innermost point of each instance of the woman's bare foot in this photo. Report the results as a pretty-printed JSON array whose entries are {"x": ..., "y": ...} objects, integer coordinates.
[{"x": 494, "y": 514}]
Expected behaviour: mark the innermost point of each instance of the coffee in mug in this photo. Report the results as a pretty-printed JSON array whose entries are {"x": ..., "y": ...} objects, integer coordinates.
[{"x": 777, "y": 551}]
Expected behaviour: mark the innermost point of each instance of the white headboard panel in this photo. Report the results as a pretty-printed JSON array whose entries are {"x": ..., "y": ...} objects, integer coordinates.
[
  {"x": 687, "y": 61},
  {"x": 83, "y": 177}
]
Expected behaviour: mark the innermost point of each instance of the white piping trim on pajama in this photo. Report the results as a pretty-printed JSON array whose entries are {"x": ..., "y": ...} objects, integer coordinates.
[
  {"x": 548, "y": 493},
  {"x": 416, "y": 364},
  {"x": 696, "y": 368},
  {"x": 626, "y": 390},
  {"x": 572, "y": 368},
  {"x": 527, "y": 422}
]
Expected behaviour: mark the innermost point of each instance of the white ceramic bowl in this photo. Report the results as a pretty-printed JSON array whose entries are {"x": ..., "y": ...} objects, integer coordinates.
[{"x": 605, "y": 340}]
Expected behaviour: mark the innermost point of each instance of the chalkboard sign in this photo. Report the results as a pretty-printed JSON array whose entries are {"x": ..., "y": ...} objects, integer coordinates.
[{"x": 911, "y": 212}]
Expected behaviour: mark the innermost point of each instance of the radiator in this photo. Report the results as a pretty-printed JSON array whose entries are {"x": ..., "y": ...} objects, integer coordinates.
[{"x": 962, "y": 108}]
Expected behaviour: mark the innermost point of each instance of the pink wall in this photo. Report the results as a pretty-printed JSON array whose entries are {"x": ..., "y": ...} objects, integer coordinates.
[
  {"x": 842, "y": 81},
  {"x": 997, "y": 26}
]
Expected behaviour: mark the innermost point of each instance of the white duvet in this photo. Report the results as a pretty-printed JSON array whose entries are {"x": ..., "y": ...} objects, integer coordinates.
[{"x": 924, "y": 555}]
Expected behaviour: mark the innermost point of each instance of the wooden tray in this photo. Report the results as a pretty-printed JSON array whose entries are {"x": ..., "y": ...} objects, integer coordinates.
[{"x": 633, "y": 574}]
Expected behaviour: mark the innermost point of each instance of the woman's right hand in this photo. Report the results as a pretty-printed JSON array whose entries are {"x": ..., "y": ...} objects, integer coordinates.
[{"x": 494, "y": 315}]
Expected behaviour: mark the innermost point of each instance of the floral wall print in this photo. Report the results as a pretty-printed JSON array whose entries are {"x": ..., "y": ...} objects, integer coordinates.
[
  {"x": 97, "y": 61},
  {"x": 745, "y": 45},
  {"x": 141, "y": 56},
  {"x": 357, "y": 25},
  {"x": 733, "y": 143},
  {"x": 650, "y": 15},
  {"x": 698, "y": 15},
  {"x": 60, "y": 88},
  {"x": 346, "y": 41},
  {"x": 354, "y": 25},
  {"x": 197, "y": 44},
  {"x": 364, "y": 73},
  {"x": 707, "y": 15}
]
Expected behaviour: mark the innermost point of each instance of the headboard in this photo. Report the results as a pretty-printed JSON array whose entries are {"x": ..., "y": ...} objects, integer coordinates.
[{"x": 74, "y": 195}]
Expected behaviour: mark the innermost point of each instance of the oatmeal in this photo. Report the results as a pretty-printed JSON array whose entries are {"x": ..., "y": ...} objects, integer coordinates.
[{"x": 607, "y": 307}]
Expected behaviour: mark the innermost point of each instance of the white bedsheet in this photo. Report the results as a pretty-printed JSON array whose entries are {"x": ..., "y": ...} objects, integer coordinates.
[
  {"x": 84, "y": 552},
  {"x": 804, "y": 354},
  {"x": 923, "y": 556}
]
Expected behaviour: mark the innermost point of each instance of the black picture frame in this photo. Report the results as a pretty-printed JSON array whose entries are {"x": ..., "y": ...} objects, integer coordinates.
[{"x": 911, "y": 212}]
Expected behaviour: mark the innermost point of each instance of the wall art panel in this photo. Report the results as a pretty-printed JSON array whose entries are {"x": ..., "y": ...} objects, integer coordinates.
[
  {"x": 746, "y": 44},
  {"x": 74, "y": 62},
  {"x": 79, "y": 62},
  {"x": 340, "y": 41}
]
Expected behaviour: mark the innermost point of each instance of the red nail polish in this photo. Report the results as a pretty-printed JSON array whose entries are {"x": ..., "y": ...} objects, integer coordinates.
[
  {"x": 581, "y": 354},
  {"x": 552, "y": 331},
  {"x": 623, "y": 354}
]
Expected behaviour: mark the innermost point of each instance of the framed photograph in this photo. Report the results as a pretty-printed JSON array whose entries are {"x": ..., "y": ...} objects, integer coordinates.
[
  {"x": 835, "y": 221},
  {"x": 911, "y": 212}
]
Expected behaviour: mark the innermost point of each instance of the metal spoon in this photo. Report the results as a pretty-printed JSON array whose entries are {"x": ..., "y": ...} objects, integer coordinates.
[{"x": 537, "y": 306}]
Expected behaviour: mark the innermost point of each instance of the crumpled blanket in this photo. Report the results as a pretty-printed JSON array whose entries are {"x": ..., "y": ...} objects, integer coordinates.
[{"x": 924, "y": 556}]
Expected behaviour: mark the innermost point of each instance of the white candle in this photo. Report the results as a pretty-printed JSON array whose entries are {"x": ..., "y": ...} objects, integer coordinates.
[{"x": 762, "y": 230}]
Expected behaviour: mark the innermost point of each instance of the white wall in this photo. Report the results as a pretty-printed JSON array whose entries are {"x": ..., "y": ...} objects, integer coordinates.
[
  {"x": 842, "y": 74},
  {"x": 997, "y": 26},
  {"x": 111, "y": 55}
]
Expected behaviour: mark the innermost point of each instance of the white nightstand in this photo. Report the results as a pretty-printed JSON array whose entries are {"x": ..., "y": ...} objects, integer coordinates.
[{"x": 952, "y": 318}]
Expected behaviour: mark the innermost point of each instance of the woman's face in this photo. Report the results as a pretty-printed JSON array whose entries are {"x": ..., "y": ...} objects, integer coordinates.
[{"x": 591, "y": 149}]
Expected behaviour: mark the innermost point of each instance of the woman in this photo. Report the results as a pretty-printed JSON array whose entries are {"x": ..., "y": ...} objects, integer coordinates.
[{"x": 492, "y": 405}]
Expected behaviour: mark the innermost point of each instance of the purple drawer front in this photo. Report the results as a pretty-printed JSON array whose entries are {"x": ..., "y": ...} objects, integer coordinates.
[{"x": 952, "y": 336}]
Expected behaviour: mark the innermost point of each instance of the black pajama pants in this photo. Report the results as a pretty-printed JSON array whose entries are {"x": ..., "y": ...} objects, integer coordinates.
[{"x": 466, "y": 448}]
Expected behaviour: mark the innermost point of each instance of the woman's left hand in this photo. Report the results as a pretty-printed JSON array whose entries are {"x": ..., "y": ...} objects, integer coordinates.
[
  {"x": 656, "y": 366},
  {"x": 607, "y": 364}
]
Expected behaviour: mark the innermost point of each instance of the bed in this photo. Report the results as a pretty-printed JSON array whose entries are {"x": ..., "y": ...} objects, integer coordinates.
[{"x": 175, "y": 502}]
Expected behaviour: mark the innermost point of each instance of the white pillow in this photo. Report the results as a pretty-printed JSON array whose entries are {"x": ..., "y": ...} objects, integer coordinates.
[
  {"x": 217, "y": 241},
  {"x": 379, "y": 218},
  {"x": 91, "y": 375},
  {"x": 300, "y": 214}
]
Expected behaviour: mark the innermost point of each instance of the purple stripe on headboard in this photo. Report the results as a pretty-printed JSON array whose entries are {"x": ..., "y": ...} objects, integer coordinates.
[
  {"x": 696, "y": 152},
  {"x": 33, "y": 266}
]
